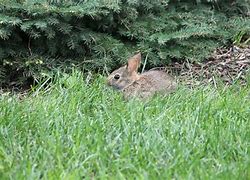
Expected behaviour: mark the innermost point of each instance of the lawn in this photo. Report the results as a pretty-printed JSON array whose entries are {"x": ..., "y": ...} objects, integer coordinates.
[{"x": 74, "y": 130}]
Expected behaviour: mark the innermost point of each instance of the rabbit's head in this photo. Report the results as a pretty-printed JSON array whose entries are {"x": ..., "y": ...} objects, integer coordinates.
[{"x": 126, "y": 75}]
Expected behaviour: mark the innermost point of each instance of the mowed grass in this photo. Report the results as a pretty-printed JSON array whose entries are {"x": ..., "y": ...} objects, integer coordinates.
[{"x": 77, "y": 130}]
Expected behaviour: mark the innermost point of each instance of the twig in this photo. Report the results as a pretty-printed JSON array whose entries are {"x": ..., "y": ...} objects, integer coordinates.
[{"x": 144, "y": 64}]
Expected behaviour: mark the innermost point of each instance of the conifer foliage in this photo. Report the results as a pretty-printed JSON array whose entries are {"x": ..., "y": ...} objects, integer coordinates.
[{"x": 98, "y": 34}]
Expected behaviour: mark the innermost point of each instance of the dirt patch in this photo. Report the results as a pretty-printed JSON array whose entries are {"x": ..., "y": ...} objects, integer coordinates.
[{"x": 226, "y": 64}]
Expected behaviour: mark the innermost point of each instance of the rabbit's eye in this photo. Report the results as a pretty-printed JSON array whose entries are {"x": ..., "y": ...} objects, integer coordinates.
[{"x": 117, "y": 76}]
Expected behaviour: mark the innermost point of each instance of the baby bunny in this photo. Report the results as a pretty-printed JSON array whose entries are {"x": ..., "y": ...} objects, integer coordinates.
[{"x": 132, "y": 84}]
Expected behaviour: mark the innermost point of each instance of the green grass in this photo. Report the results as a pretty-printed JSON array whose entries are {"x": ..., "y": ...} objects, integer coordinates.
[{"x": 75, "y": 130}]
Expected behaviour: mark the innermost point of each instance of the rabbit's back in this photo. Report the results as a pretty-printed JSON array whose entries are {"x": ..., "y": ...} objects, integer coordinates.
[
  {"x": 160, "y": 80},
  {"x": 149, "y": 83}
]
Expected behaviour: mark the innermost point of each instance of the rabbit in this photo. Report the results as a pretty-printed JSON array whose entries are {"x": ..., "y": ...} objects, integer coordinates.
[{"x": 132, "y": 84}]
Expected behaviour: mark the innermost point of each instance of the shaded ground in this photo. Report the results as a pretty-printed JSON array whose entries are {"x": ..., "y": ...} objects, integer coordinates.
[{"x": 226, "y": 64}]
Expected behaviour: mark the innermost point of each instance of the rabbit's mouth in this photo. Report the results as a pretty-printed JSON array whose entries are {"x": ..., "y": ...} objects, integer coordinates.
[
  {"x": 114, "y": 86},
  {"x": 117, "y": 87}
]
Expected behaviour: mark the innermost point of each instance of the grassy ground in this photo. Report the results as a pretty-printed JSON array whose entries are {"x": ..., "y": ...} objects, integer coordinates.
[{"x": 75, "y": 130}]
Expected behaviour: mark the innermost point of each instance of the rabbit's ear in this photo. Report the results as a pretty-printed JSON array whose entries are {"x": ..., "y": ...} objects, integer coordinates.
[{"x": 134, "y": 63}]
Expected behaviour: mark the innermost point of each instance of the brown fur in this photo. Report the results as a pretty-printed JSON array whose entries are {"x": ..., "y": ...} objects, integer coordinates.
[{"x": 132, "y": 84}]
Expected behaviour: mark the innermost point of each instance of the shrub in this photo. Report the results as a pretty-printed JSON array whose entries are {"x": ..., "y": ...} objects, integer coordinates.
[{"x": 100, "y": 34}]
